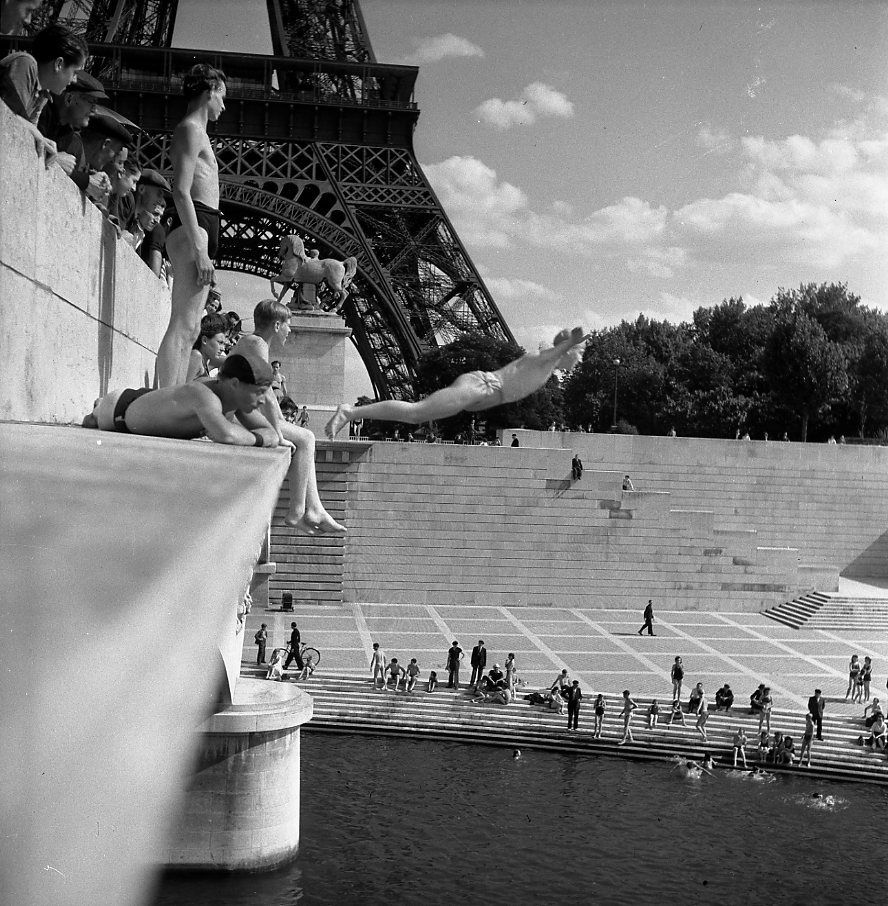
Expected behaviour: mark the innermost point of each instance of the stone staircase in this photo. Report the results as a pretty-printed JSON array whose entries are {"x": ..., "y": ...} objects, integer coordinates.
[
  {"x": 348, "y": 704},
  {"x": 310, "y": 567},
  {"x": 825, "y": 610}
]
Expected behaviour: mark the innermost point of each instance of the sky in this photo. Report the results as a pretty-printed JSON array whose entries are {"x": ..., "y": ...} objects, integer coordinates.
[{"x": 605, "y": 159}]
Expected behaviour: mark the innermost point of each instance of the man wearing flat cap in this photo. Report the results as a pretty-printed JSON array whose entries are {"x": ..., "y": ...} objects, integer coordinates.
[
  {"x": 103, "y": 139},
  {"x": 62, "y": 120},
  {"x": 149, "y": 236}
]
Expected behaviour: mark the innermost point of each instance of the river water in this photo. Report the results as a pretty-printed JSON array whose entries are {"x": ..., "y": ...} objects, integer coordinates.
[{"x": 432, "y": 823}]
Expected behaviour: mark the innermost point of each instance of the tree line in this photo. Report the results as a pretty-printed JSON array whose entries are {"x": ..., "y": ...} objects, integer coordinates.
[{"x": 813, "y": 360}]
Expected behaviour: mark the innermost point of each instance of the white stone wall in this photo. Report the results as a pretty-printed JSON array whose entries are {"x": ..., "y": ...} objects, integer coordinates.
[{"x": 79, "y": 311}]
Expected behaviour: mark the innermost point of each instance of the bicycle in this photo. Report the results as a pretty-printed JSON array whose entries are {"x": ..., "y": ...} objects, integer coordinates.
[{"x": 308, "y": 656}]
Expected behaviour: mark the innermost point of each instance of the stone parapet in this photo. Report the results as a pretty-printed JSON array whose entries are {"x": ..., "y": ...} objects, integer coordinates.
[{"x": 80, "y": 313}]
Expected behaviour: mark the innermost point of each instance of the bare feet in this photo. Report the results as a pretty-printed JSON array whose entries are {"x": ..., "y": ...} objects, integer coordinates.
[
  {"x": 341, "y": 417},
  {"x": 324, "y": 523},
  {"x": 565, "y": 339},
  {"x": 311, "y": 523}
]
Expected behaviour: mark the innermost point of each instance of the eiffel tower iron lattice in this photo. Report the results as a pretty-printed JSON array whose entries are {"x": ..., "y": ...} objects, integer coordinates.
[{"x": 316, "y": 140}]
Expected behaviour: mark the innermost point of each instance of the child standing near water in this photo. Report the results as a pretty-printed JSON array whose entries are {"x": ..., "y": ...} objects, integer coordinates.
[
  {"x": 628, "y": 707},
  {"x": 599, "y": 716}
]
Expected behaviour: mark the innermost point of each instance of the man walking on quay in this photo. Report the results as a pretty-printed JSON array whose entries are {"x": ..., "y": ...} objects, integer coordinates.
[
  {"x": 815, "y": 707},
  {"x": 574, "y": 695},
  {"x": 193, "y": 238},
  {"x": 479, "y": 662},
  {"x": 294, "y": 652},
  {"x": 648, "y": 619},
  {"x": 454, "y": 656}
]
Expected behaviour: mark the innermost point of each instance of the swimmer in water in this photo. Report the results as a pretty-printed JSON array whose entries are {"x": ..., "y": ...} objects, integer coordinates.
[{"x": 689, "y": 768}]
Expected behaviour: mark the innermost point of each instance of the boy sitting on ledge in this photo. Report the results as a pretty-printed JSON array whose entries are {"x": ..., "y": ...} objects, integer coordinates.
[
  {"x": 306, "y": 513},
  {"x": 224, "y": 409}
]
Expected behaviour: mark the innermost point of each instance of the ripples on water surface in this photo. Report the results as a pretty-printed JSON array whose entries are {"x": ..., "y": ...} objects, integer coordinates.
[{"x": 430, "y": 823}]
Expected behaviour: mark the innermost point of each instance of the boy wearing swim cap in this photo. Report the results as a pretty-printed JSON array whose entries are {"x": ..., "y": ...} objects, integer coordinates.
[{"x": 224, "y": 409}]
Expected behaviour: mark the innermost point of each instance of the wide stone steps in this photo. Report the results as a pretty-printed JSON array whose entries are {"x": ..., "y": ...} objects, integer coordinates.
[
  {"x": 823, "y": 610},
  {"x": 310, "y": 567},
  {"x": 349, "y": 704}
]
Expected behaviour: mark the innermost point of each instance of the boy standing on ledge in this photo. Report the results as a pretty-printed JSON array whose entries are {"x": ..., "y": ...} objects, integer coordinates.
[{"x": 193, "y": 239}]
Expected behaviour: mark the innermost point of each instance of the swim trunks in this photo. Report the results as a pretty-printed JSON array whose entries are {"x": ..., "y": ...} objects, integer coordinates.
[
  {"x": 209, "y": 219},
  {"x": 124, "y": 401},
  {"x": 487, "y": 382}
]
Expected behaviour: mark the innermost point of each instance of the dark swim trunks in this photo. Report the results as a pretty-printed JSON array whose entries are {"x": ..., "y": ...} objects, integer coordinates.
[
  {"x": 123, "y": 403},
  {"x": 209, "y": 219}
]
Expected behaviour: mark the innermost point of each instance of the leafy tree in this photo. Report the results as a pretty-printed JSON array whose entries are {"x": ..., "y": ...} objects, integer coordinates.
[
  {"x": 640, "y": 379},
  {"x": 807, "y": 370},
  {"x": 868, "y": 375}
]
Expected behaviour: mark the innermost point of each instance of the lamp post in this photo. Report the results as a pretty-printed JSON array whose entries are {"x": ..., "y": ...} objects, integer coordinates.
[{"x": 616, "y": 383}]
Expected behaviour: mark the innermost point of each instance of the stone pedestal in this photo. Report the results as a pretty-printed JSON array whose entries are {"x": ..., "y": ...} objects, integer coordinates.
[
  {"x": 313, "y": 362},
  {"x": 241, "y": 810}
]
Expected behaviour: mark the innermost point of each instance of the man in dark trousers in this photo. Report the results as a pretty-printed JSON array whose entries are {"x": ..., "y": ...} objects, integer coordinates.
[
  {"x": 574, "y": 695},
  {"x": 294, "y": 653},
  {"x": 648, "y": 619},
  {"x": 479, "y": 662},
  {"x": 576, "y": 467},
  {"x": 815, "y": 706},
  {"x": 454, "y": 656}
]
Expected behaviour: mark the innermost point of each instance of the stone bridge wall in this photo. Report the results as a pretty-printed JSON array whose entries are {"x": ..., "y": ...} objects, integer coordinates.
[{"x": 79, "y": 311}]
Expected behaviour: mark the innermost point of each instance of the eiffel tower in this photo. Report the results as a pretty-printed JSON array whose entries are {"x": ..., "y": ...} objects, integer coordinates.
[{"x": 317, "y": 140}]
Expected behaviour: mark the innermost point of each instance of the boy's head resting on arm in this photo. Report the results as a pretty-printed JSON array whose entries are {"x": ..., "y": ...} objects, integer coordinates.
[{"x": 248, "y": 368}]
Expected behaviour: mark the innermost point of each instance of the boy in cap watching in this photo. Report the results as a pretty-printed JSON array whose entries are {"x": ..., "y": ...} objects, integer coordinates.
[
  {"x": 103, "y": 139},
  {"x": 148, "y": 235},
  {"x": 122, "y": 203},
  {"x": 223, "y": 408}
]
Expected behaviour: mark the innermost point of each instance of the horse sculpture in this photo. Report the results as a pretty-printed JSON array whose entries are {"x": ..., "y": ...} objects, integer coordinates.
[{"x": 298, "y": 267}]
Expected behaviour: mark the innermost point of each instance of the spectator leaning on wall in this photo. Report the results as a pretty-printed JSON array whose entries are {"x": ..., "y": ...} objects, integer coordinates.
[
  {"x": 28, "y": 80},
  {"x": 62, "y": 120}
]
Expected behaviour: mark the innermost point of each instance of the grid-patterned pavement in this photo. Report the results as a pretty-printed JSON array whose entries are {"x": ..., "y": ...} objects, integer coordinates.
[{"x": 601, "y": 648}]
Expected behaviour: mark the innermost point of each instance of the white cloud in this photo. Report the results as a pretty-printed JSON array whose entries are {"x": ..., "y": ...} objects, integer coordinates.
[
  {"x": 486, "y": 211},
  {"x": 515, "y": 288},
  {"x": 672, "y": 308},
  {"x": 714, "y": 141},
  {"x": 802, "y": 203},
  {"x": 440, "y": 47},
  {"x": 496, "y": 214},
  {"x": 535, "y": 101},
  {"x": 661, "y": 262}
]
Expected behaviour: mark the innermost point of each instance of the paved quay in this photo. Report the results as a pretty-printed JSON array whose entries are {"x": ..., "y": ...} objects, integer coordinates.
[{"x": 602, "y": 649}]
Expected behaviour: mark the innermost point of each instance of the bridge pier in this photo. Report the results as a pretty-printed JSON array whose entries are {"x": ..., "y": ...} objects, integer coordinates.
[{"x": 241, "y": 810}]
